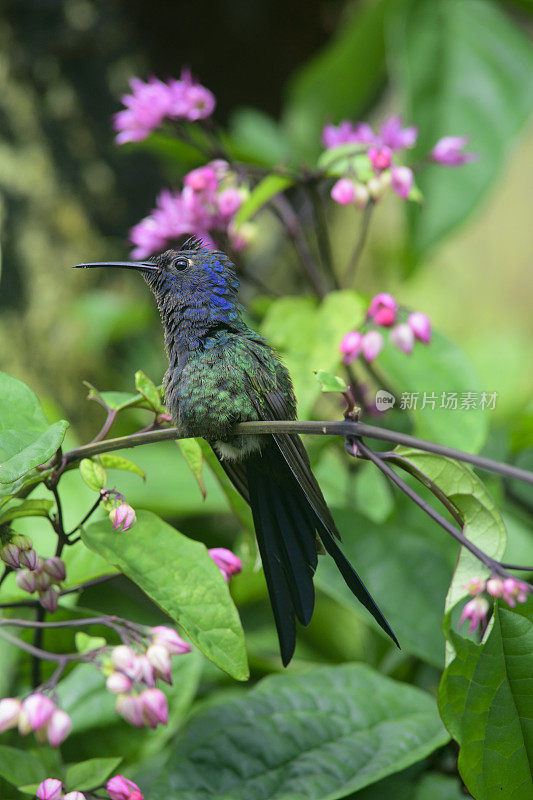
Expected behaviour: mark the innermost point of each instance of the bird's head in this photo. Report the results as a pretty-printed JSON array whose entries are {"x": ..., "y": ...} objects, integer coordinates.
[{"x": 193, "y": 275}]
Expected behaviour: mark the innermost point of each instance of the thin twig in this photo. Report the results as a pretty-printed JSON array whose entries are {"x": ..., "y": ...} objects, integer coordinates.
[
  {"x": 36, "y": 674},
  {"x": 351, "y": 269},
  {"x": 289, "y": 219},
  {"x": 106, "y": 427},
  {"x": 322, "y": 233},
  {"x": 86, "y": 517},
  {"x": 44, "y": 655}
]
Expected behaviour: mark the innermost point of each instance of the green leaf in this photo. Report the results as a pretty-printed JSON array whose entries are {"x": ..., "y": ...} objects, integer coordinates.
[
  {"x": 27, "y": 508},
  {"x": 433, "y": 374},
  {"x": 483, "y": 89},
  {"x": 192, "y": 452},
  {"x": 93, "y": 474},
  {"x": 265, "y": 190},
  {"x": 485, "y": 699},
  {"x": 346, "y": 158},
  {"x": 308, "y": 337},
  {"x": 330, "y": 382},
  {"x": 257, "y": 137},
  {"x": 86, "y": 643},
  {"x": 121, "y": 400},
  {"x": 112, "y": 461},
  {"x": 319, "y": 735},
  {"x": 178, "y": 574},
  {"x": 372, "y": 493},
  {"x": 149, "y": 390},
  {"x": 90, "y": 774},
  {"x": 340, "y": 81},
  {"x": 26, "y": 438},
  {"x": 20, "y": 766}
]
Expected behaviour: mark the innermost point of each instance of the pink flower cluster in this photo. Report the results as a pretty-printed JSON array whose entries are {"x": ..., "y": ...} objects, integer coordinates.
[
  {"x": 36, "y": 713},
  {"x": 128, "y": 669},
  {"x": 510, "y": 590},
  {"x": 383, "y": 149},
  {"x": 151, "y": 102},
  {"x": 118, "y": 788},
  {"x": 33, "y": 573},
  {"x": 228, "y": 563},
  {"x": 123, "y": 517},
  {"x": 383, "y": 312},
  {"x": 207, "y": 203}
]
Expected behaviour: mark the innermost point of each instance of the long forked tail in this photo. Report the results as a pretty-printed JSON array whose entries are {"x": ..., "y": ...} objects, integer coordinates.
[{"x": 289, "y": 510}]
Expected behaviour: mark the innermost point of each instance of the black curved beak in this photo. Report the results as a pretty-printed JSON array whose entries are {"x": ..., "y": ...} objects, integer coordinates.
[{"x": 143, "y": 266}]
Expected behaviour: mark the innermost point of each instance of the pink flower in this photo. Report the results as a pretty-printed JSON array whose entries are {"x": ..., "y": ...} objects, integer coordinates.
[
  {"x": 420, "y": 325},
  {"x": 9, "y": 713},
  {"x": 120, "y": 788},
  {"x": 28, "y": 558},
  {"x": 403, "y": 338},
  {"x": 123, "y": 518},
  {"x": 74, "y": 796},
  {"x": 514, "y": 591},
  {"x": 148, "y": 237},
  {"x": 227, "y": 562},
  {"x": 36, "y": 710},
  {"x": 495, "y": 587},
  {"x": 361, "y": 196},
  {"x": 190, "y": 100},
  {"x": 55, "y": 567},
  {"x": 130, "y": 707},
  {"x": 10, "y": 555},
  {"x": 170, "y": 639},
  {"x": 118, "y": 683},
  {"x": 124, "y": 659},
  {"x": 201, "y": 179},
  {"x": 394, "y": 136},
  {"x": 26, "y": 580},
  {"x": 372, "y": 344},
  {"x": 343, "y": 192},
  {"x": 146, "y": 108},
  {"x": 58, "y": 727},
  {"x": 347, "y": 133},
  {"x": 159, "y": 658},
  {"x": 449, "y": 151},
  {"x": 476, "y": 611},
  {"x": 49, "y": 599},
  {"x": 475, "y": 586},
  {"x": 49, "y": 789},
  {"x": 350, "y": 346},
  {"x": 229, "y": 201},
  {"x": 147, "y": 672},
  {"x": 380, "y": 158},
  {"x": 155, "y": 707},
  {"x": 402, "y": 180},
  {"x": 383, "y": 308}
]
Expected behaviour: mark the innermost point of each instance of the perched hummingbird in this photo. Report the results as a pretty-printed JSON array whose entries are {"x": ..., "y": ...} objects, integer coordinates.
[{"x": 220, "y": 373}]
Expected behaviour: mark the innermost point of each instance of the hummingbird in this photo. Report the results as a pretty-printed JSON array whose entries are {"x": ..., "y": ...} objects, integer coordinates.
[{"x": 221, "y": 372}]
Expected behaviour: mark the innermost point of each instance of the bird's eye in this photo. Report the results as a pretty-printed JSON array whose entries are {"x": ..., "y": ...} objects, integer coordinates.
[{"x": 181, "y": 262}]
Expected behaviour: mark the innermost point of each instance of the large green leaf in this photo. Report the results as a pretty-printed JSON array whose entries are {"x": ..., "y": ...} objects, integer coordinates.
[
  {"x": 486, "y": 702},
  {"x": 308, "y": 337},
  {"x": 26, "y": 438},
  {"x": 387, "y": 556},
  {"x": 438, "y": 371},
  {"x": 90, "y": 774},
  {"x": 20, "y": 766},
  {"x": 265, "y": 190},
  {"x": 340, "y": 80},
  {"x": 482, "y": 88},
  {"x": 318, "y": 736},
  {"x": 178, "y": 574}
]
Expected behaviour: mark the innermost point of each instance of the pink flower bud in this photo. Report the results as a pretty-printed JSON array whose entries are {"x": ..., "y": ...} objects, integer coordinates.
[
  {"x": 170, "y": 639},
  {"x": 201, "y": 179},
  {"x": 476, "y": 611},
  {"x": 58, "y": 727},
  {"x": 514, "y": 590},
  {"x": 9, "y": 713},
  {"x": 49, "y": 789},
  {"x": 26, "y": 580},
  {"x": 343, "y": 192},
  {"x": 124, "y": 659},
  {"x": 229, "y": 200},
  {"x": 372, "y": 345},
  {"x": 49, "y": 599},
  {"x": 361, "y": 196},
  {"x": 380, "y": 157},
  {"x": 118, "y": 683},
  {"x": 402, "y": 180},
  {"x": 155, "y": 707},
  {"x": 28, "y": 558},
  {"x": 381, "y": 302},
  {"x": 146, "y": 671},
  {"x": 385, "y": 317},
  {"x": 474, "y": 586},
  {"x": 420, "y": 325},
  {"x": 403, "y": 337},
  {"x": 36, "y": 710},
  {"x": 10, "y": 555},
  {"x": 55, "y": 567},
  {"x": 120, "y": 788},
  {"x": 43, "y": 581},
  {"x": 495, "y": 587},
  {"x": 122, "y": 517},
  {"x": 350, "y": 346},
  {"x": 227, "y": 562},
  {"x": 130, "y": 707},
  {"x": 74, "y": 796},
  {"x": 159, "y": 657},
  {"x": 22, "y": 542},
  {"x": 40, "y": 565},
  {"x": 449, "y": 151}
]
